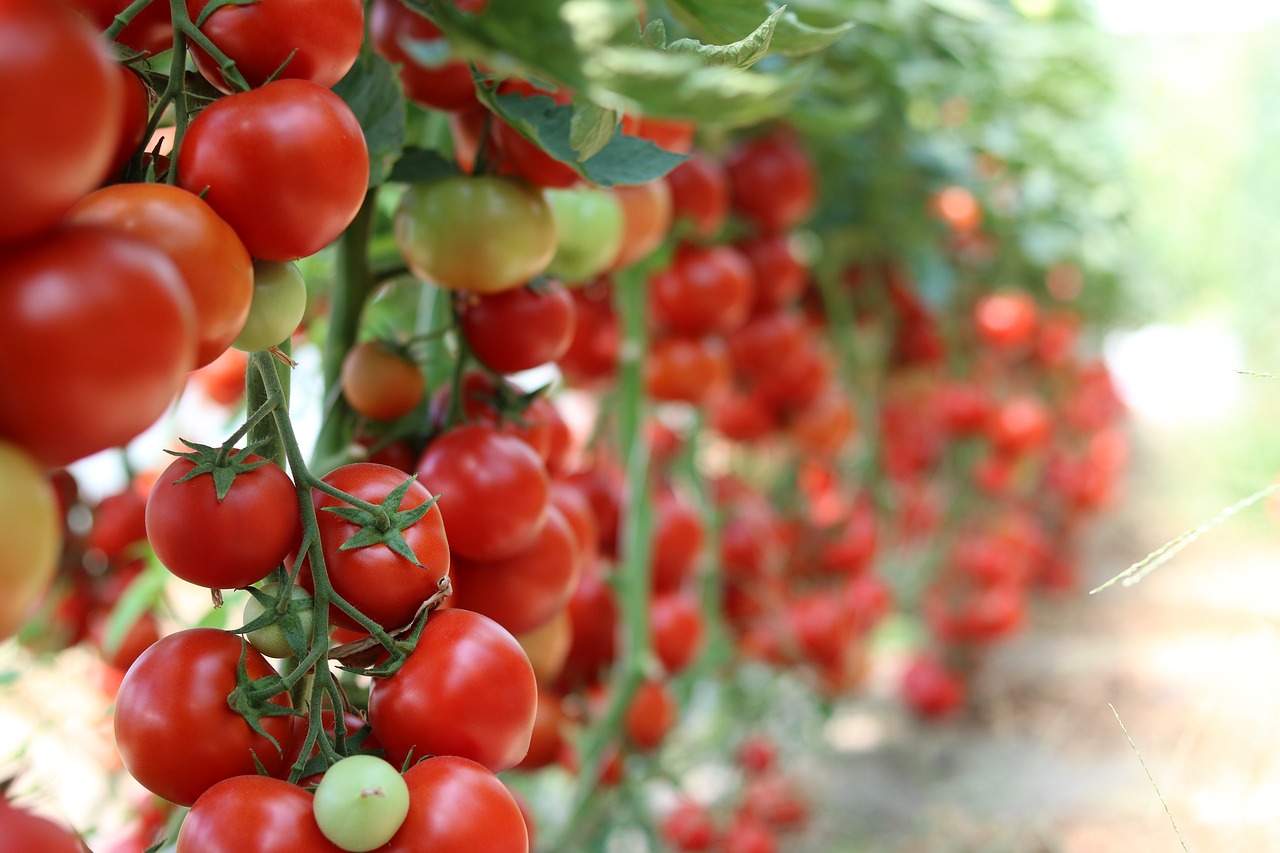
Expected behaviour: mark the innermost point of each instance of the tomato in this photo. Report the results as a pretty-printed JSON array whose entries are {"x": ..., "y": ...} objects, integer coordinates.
[
  {"x": 678, "y": 535},
  {"x": 381, "y": 584},
  {"x": 741, "y": 415},
  {"x": 958, "y": 208},
  {"x": 589, "y": 225},
  {"x": 650, "y": 715},
  {"x": 456, "y": 804},
  {"x": 31, "y": 528},
  {"x": 521, "y": 328},
  {"x": 392, "y": 26},
  {"x": 175, "y": 731},
  {"x": 757, "y": 754},
  {"x": 466, "y": 690},
  {"x": 748, "y": 835},
  {"x": 151, "y": 30},
  {"x": 573, "y": 504},
  {"x": 481, "y": 234},
  {"x": 361, "y": 802},
  {"x": 676, "y": 626},
  {"x": 223, "y": 379},
  {"x": 772, "y": 180},
  {"x": 670, "y": 134},
  {"x": 494, "y": 490},
  {"x": 214, "y": 263},
  {"x": 690, "y": 370},
  {"x": 62, "y": 98},
  {"x": 774, "y": 801},
  {"x": 497, "y": 403},
  {"x": 113, "y": 324},
  {"x": 380, "y": 383},
  {"x": 278, "y": 306},
  {"x": 518, "y": 157},
  {"x": 253, "y": 814},
  {"x": 930, "y": 689},
  {"x": 593, "y": 614},
  {"x": 22, "y": 831},
  {"x": 646, "y": 219},
  {"x": 548, "y": 646},
  {"x": 765, "y": 342},
  {"x": 119, "y": 521},
  {"x": 700, "y": 194},
  {"x": 1006, "y": 320},
  {"x": 271, "y": 641},
  {"x": 1020, "y": 424},
  {"x": 525, "y": 590},
  {"x": 285, "y": 165},
  {"x": 688, "y": 828},
  {"x": 707, "y": 290},
  {"x": 292, "y": 39},
  {"x": 824, "y": 426},
  {"x": 548, "y": 740},
  {"x": 592, "y": 355},
  {"x": 779, "y": 276},
  {"x": 136, "y": 104},
  {"x": 223, "y": 543}
]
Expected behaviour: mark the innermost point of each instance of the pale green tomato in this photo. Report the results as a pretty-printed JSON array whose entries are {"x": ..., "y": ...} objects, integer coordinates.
[
  {"x": 589, "y": 222},
  {"x": 279, "y": 301},
  {"x": 270, "y": 640},
  {"x": 361, "y": 802},
  {"x": 31, "y": 530}
]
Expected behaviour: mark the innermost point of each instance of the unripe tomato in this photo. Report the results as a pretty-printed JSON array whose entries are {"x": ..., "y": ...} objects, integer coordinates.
[
  {"x": 361, "y": 802},
  {"x": 646, "y": 219},
  {"x": 478, "y": 234},
  {"x": 61, "y": 96},
  {"x": 589, "y": 224},
  {"x": 31, "y": 528},
  {"x": 379, "y": 383},
  {"x": 285, "y": 165},
  {"x": 278, "y": 306}
]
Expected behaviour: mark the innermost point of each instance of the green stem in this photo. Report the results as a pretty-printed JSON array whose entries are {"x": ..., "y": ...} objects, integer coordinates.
[
  {"x": 355, "y": 282},
  {"x": 123, "y": 19}
]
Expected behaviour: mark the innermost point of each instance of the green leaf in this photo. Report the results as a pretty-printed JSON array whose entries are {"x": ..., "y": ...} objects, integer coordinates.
[
  {"x": 725, "y": 21},
  {"x": 139, "y": 597},
  {"x": 591, "y": 128},
  {"x": 622, "y": 160},
  {"x": 372, "y": 90},
  {"x": 740, "y": 54},
  {"x": 418, "y": 165}
]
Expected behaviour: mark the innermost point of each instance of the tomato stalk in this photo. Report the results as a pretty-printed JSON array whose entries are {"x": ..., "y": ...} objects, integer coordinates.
[{"x": 125, "y": 17}]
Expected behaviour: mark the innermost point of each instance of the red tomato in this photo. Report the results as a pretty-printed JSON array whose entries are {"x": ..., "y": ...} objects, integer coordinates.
[
  {"x": 449, "y": 87},
  {"x": 517, "y": 156},
  {"x": 676, "y": 625},
  {"x": 646, "y": 219},
  {"x": 119, "y": 520},
  {"x": 215, "y": 266},
  {"x": 650, "y": 715},
  {"x": 678, "y": 534},
  {"x": 133, "y": 125},
  {"x": 823, "y": 427},
  {"x": 772, "y": 180},
  {"x": 380, "y": 383},
  {"x": 670, "y": 134},
  {"x": 688, "y": 828},
  {"x": 380, "y": 583},
  {"x": 22, "y": 831},
  {"x": 227, "y": 543},
  {"x": 318, "y": 41},
  {"x": 765, "y": 342},
  {"x": 757, "y": 754},
  {"x": 493, "y": 487},
  {"x": 466, "y": 690},
  {"x": 455, "y": 804},
  {"x": 1020, "y": 424},
  {"x": 61, "y": 97},
  {"x": 593, "y": 615},
  {"x": 592, "y": 355},
  {"x": 779, "y": 276},
  {"x": 958, "y": 208},
  {"x": 520, "y": 328},
  {"x": 690, "y": 370},
  {"x": 174, "y": 729},
  {"x": 253, "y": 814},
  {"x": 706, "y": 290},
  {"x": 498, "y": 405},
  {"x": 547, "y": 647},
  {"x": 930, "y": 689},
  {"x": 548, "y": 740},
  {"x": 573, "y": 503},
  {"x": 113, "y": 324},
  {"x": 748, "y": 835},
  {"x": 1006, "y": 320},
  {"x": 285, "y": 165},
  {"x": 700, "y": 194},
  {"x": 527, "y": 589},
  {"x": 151, "y": 31}
]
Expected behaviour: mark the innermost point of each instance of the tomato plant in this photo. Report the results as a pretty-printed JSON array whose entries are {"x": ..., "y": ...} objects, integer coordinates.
[{"x": 253, "y": 814}]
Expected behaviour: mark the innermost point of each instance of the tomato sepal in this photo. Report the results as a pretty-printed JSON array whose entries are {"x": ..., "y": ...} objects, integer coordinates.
[
  {"x": 223, "y": 465},
  {"x": 385, "y": 527}
]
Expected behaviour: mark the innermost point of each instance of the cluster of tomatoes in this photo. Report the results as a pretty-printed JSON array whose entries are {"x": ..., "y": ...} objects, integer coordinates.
[{"x": 466, "y": 555}]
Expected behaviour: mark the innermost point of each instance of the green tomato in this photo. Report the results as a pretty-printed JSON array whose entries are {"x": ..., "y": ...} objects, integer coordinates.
[
  {"x": 361, "y": 802},
  {"x": 279, "y": 301},
  {"x": 475, "y": 234},
  {"x": 589, "y": 222},
  {"x": 271, "y": 640}
]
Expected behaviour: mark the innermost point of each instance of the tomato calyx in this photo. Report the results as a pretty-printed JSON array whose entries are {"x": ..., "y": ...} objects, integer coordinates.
[
  {"x": 251, "y": 699},
  {"x": 384, "y": 523},
  {"x": 222, "y": 463},
  {"x": 281, "y": 608}
]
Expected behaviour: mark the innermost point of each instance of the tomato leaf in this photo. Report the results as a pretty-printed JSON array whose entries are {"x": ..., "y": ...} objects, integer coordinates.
[
  {"x": 728, "y": 20},
  {"x": 591, "y": 128},
  {"x": 740, "y": 54},
  {"x": 372, "y": 90},
  {"x": 418, "y": 165}
]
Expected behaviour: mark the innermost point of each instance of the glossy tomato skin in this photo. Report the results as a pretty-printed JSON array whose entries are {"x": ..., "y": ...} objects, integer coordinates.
[
  {"x": 380, "y": 583},
  {"x": 494, "y": 490},
  {"x": 646, "y": 219},
  {"x": 475, "y": 234},
  {"x": 448, "y": 87},
  {"x": 22, "y": 831},
  {"x": 771, "y": 180},
  {"x": 467, "y": 690},
  {"x": 285, "y": 165},
  {"x": 456, "y": 804},
  {"x": 61, "y": 96},
  {"x": 135, "y": 105},
  {"x": 690, "y": 370},
  {"x": 520, "y": 328},
  {"x": 151, "y": 31},
  {"x": 380, "y": 383},
  {"x": 223, "y": 544},
  {"x": 175, "y": 731},
  {"x": 114, "y": 329},
  {"x": 706, "y": 290},
  {"x": 319, "y": 41},
  {"x": 700, "y": 194},
  {"x": 524, "y": 591},
  {"x": 253, "y": 814},
  {"x": 215, "y": 265},
  {"x": 31, "y": 528}
]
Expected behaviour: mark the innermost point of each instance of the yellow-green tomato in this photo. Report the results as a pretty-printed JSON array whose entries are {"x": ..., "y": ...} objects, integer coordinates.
[
  {"x": 361, "y": 802},
  {"x": 31, "y": 532},
  {"x": 271, "y": 640},
  {"x": 475, "y": 234},
  {"x": 589, "y": 224},
  {"x": 279, "y": 301}
]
